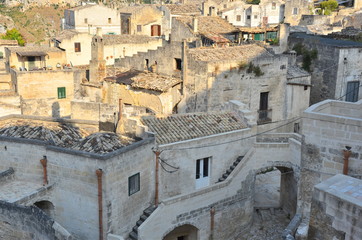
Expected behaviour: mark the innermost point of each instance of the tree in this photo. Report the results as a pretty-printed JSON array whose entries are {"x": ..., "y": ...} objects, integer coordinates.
[
  {"x": 253, "y": 1},
  {"x": 328, "y": 7},
  {"x": 13, "y": 34}
]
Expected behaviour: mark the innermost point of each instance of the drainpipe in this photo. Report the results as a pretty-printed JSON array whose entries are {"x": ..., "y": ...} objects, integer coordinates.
[
  {"x": 99, "y": 174},
  {"x": 156, "y": 177},
  {"x": 212, "y": 222},
  {"x": 346, "y": 154},
  {"x": 44, "y": 163}
]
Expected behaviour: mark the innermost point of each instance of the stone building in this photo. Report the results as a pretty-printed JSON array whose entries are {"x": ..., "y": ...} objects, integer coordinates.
[
  {"x": 294, "y": 9},
  {"x": 336, "y": 70},
  {"x": 88, "y": 17},
  {"x": 141, "y": 20},
  {"x": 267, "y": 12},
  {"x": 77, "y": 46}
]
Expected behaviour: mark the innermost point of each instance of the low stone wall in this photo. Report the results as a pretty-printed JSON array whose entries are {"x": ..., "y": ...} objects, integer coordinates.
[
  {"x": 28, "y": 219},
  {"x": 336, "y": 209}
]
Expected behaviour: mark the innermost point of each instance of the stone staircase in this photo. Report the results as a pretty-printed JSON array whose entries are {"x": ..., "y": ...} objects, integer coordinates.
[
  {"x": 230, "y": 169},
  {"x": 146, "y": 213}
]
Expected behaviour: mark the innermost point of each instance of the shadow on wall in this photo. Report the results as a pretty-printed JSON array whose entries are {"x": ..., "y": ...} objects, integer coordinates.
[{"x": 55, "y": 110}]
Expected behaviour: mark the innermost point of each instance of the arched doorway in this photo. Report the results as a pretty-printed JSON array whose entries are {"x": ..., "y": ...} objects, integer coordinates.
[
  {"x": 47, "y": 207},
  {"x": 184, "y": 232}
]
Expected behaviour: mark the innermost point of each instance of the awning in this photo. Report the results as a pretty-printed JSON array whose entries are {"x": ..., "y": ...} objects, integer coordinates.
[{"x": 32, "y": 54}]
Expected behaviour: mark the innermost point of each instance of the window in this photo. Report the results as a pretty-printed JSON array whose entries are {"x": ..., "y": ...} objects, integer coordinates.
[
  {"x": 86, "y": 20},
  {"x": 77, "y": 47},
  {"x": 202, "y": 168},
  {"x": 274, "y": 6},
  {"x": 248, "y": 17},
  {"x": 264, "y": 101},
  {"x": 352, "y": 91},
  {"x": 225, "y": 6},
  {"x": 295, "y": 11},
  {"x": 255, "y": 16},
  {"x": 238, "y": 18},
  {"x": 226, "y": 18},
  {"x": 133, "y": 184},
  {"x": 109, "y": 20},
  {"x": 61, "y": 93},
  {"x": 178, "y": 64},
  {"x": 139, "y": 28}
]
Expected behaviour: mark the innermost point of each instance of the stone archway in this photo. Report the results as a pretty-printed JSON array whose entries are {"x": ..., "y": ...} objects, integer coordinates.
[
  {"x": 287, "y": 187},
  {"x": 47, "y": 207},
  {"x": 184, "y": 232}
]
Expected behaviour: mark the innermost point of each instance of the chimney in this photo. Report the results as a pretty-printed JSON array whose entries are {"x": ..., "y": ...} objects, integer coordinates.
[
  {"x": 212, "y": 11},
  {"x": 99, "y": 31},
  {"x": 195, "y": 24},
  {"x": 292, "y": 58}
]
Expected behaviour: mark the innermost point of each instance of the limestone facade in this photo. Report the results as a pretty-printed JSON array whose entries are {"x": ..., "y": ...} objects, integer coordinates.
[{"x": 88, "y": 17}]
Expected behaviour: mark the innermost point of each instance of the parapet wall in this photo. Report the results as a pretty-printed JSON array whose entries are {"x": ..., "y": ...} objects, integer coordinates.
[{"x": 28, "y": 219}]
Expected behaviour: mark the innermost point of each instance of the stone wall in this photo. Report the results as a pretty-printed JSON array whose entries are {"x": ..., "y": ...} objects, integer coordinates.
[
  {"x": 221, "y": 157},
  {"x": 336, "y": 209},
  {"x": 210, "y": 85},
  {"x": 29, "y": 220},
  {"x": 39, "y": 92},
  {"x": 164, "y": 56},
  {"x": 327, "y": 133},
  {"x": 232, "y": 199}
]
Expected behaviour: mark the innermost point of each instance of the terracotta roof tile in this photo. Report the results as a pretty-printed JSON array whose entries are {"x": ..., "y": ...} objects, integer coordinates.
[
  {"x": 181, "y": 127},
  {"x": 64, "y": 135},
  {"x": 243, "y": 52}
]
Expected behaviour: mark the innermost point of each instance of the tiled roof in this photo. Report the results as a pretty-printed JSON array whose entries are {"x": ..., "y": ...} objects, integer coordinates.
[
  {"x": 82, "y": 7},
  {"x": 66, "y": 34},
  {"x": 7, "y": 42},
  {"x": 145, "y": 80},
  {"x": 209, "y": 25},
  {"x": 243, "y": 52},
  {"x": 102, "y": 143},
  {"x": 124, "y": 39},
  {"x": 258, "y": 29},
  {"x": 184, "y": 9},
  {"x": 181, "y": 127},
  {"x": 34, "y": 49},
  {"x": 296, "y": 72},
  {"x": 65, "y": 136}
]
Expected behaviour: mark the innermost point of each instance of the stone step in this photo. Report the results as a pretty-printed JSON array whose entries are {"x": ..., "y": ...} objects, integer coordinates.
[
  {"x": 143, "y": 217},
  {"x": 139, "y": 222},
  {"x": 133, "y": 236},
  {"x": 135, "y": 229}
]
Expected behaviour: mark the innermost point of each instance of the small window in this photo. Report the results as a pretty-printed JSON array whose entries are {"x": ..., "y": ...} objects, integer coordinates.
[
  {"x": 295, "y": 11},
  {"x": 226, "y": 18},
  {"x": 305, "y": 87},
  {"x": 282, "y": 67},
  {"x": 178, "y": 64},
  {"x": 225, "y": 6},
  {"x": 238, "y": 18},
  {"x": 133, "y": 184},
  {"x": 139, "y": 28},
  {"x": 61, "y": 93},
  {"x": 85, "y": 20},
  {"x": 274, "y": 6},
  {"x": 248, "y": 17},
  {"x": 255, "y": 16},
  {"x": 77, "y": 47},
  {"x": 109, "y": 20},
  {"x": 352, "y": 91}
]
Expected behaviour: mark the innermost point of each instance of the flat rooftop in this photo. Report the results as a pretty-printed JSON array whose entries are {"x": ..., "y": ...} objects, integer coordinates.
[{"x": 343, "y": 187}]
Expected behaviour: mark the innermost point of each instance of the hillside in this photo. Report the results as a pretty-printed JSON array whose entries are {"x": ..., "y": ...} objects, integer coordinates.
[{"x": 36, "y": 24}]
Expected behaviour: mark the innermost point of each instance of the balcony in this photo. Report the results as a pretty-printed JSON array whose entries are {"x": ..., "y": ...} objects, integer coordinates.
[{"x": 265, "y": 116}]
